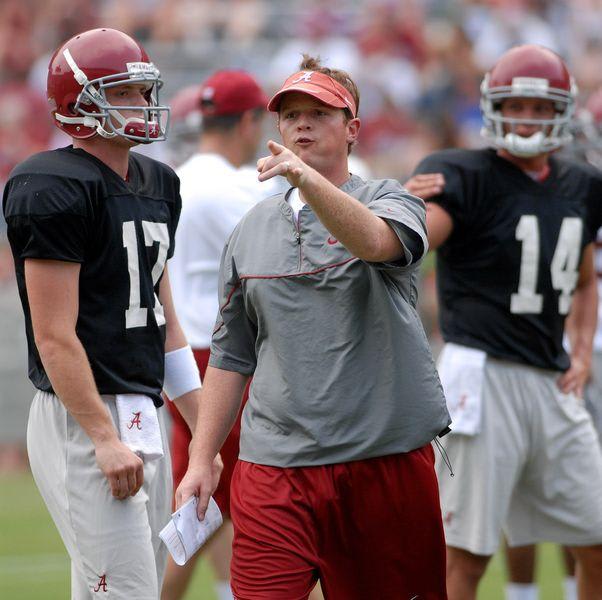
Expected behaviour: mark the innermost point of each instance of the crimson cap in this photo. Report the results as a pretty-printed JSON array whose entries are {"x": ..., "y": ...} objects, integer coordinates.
[{"x": 229, "y": 92}]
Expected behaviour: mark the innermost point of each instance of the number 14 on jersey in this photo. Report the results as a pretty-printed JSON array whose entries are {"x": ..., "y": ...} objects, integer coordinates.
[{"x": 564, "y": 268}]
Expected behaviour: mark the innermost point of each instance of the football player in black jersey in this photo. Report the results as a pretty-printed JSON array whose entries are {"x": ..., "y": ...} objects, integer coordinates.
[
  {"x": 91, "y": 227},
  {"x": 513, "y": 228}
]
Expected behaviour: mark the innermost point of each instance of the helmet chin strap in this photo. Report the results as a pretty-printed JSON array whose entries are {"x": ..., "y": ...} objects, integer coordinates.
[
  {"x": 104, "y": 133},
  {"x": 86, "y": 122},
  {"x": 524, "y": 147}
]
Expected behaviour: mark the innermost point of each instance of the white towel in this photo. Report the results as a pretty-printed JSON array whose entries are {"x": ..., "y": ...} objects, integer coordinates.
[
  {"x": 461, "y": 372},
  {"x": 139, "y": 425}
]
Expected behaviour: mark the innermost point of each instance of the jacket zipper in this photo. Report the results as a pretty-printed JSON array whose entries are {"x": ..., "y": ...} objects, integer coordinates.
[{"x": 298, "y": 237}]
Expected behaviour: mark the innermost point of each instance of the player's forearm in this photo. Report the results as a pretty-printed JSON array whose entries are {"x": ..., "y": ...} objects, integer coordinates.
[
  {"x": 581, "y": 326},
  {"x": 188, "y": 407},
  {"x": 364, "y": 234},
  {"x": 184, "y": 371},
  {"x": 68, "y": 369},
  {"x": 174, "y": 335},
  {"x": 221, "y": 398},
  {"x": 439, "y": 225}
]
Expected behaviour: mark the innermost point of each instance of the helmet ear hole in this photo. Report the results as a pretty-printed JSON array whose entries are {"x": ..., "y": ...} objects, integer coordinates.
[{"x": 71, "y": 108}]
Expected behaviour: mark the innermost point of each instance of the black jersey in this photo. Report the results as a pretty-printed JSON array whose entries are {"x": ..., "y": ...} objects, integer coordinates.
[
  {"x": 67, "y": 205},
  {"x": 506, "y": 274}
]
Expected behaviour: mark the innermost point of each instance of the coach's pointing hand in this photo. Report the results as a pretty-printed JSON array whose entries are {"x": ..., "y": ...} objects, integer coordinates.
[
  {"x": 123, "y": 469},
  {"x": 282, "y": 162}
]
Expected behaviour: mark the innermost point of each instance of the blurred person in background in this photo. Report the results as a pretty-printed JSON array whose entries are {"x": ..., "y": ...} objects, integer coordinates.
[
  {"x": 17, "y": 52},
  {"x": 321, "y": 28},
  {"x": 185, "y": 125},
  {"x": 15, "y": 388},
  {"x": 508, "y": 23},
  {"x": 226, "y": 113},
  {"x": 21, "y": 133},
  {"x": 514, "y": 227},
  {"x": 588, "y": 130}
]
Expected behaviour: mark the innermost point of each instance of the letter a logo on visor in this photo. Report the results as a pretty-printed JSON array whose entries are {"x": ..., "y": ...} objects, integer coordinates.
[{"x": 303, "y": 76}]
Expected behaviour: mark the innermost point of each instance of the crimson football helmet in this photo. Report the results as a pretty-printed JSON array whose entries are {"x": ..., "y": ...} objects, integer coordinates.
[
  {"x": 528, "y": 71},
  {"x": 81, "y": 71}
]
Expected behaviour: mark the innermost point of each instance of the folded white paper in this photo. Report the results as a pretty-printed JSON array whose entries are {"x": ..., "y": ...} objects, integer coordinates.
[
  {"x": 185, "y": 534},
  {"x": 461, "y": 370}
]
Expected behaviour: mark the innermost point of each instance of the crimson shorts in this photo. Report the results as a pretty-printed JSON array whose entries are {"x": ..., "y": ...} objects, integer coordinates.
[
  {"x": 368, "y": 529},
  {"x": 180, "y": 440}
]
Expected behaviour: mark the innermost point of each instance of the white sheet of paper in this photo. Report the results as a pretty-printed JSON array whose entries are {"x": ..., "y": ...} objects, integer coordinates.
[{"x": 184, "y": 534}]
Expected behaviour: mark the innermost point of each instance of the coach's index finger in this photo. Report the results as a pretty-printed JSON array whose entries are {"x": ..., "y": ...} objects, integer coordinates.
[{"x": 275, "y": 148}]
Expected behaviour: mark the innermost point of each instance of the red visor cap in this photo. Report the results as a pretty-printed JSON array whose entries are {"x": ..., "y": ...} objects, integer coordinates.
[
  {"x": 230, "y": 92},
  {"x": 322, "y": 87}
]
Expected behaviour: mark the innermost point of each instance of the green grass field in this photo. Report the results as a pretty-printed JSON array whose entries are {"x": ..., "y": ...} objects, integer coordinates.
[{"x": 34, "y": 564}]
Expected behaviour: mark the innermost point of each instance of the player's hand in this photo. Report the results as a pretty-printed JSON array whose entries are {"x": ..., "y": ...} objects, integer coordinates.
[
  {"x": 283, "y": 162},
  {"x": 200, "y": 480},
  {"x": 123, "y": 469},
  {"x": 425, "y": 186},
  {"x": 574, "y": 379}
]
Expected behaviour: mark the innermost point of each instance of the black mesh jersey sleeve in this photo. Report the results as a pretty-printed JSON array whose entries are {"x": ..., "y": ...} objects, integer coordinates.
[{"x": 48, "y": 209}]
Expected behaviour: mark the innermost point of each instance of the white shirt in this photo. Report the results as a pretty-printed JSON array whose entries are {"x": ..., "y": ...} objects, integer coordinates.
[
  {"x": 213, "y": 202},
  {"x": 294, "y": 199}
]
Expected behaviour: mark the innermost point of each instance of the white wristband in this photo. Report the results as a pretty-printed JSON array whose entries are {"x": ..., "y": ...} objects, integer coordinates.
[{"x": 181, "y": 373}]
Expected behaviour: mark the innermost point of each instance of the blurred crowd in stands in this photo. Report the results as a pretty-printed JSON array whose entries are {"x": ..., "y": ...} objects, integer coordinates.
[{"x": 418, "y": 63}]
